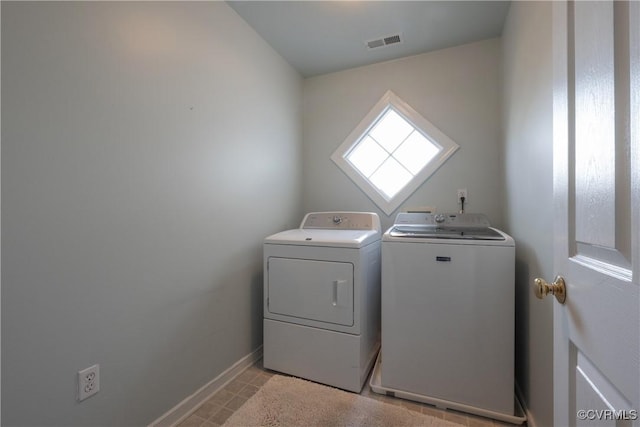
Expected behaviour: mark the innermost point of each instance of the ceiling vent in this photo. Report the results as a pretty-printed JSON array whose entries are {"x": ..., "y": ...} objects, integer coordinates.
[{"x": 383, "y": 41}]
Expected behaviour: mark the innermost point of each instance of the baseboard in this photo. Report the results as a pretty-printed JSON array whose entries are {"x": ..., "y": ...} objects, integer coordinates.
[
  {"x": 531, "y": 422},
  {"x": 185, "y": 408}
]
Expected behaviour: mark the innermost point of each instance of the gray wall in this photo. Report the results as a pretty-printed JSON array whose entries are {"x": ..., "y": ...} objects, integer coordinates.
[
  {"x": 147, "y": 149},
  {"x": 527, "y": 121},
  {"x": 457, "y": 89}
]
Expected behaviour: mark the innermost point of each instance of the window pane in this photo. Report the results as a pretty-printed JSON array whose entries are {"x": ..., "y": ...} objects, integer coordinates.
[
  {"x": 391, "y": 130},
  {"x": 390, "y": 178},
  {"x": 367, "y": 156},
  {"x": 387, "y": 152},
  {"x": 416, "y": 152}
]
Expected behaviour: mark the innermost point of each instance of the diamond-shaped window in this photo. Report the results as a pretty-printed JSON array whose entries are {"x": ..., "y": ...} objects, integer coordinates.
[{"x": 392, "y": 152}]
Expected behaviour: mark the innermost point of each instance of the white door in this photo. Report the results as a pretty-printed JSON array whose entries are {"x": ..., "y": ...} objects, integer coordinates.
[{"x": 597, "y": 212}]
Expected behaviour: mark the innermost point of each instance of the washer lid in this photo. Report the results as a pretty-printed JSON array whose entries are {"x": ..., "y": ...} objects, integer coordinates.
[
  {"x": 322, "y": 237},
  {"x": 430, "y": 232},
  {"x": 428, "y": 227}
]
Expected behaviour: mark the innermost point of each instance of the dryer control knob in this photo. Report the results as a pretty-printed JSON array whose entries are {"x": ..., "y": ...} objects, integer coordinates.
[
  {"x": 440, "y": 218},
  {"x": 337, "y": 220}
]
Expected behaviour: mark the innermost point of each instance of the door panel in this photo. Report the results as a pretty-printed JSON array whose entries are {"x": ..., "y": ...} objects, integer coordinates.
[
  {"x": 601, "y": 101},
  {"x": 597, "y": 337},
  {"x": 594, "y": 125},
  {"x": 308, "y": 289}
]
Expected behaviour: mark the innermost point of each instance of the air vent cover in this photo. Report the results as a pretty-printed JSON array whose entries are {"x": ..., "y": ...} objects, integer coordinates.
[
  {"x": 392, "y": 39},
  {"x": 383, "y": 41}
]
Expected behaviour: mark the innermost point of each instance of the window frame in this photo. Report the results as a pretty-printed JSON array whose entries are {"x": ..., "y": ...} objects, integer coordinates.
[{"x": 446, "y": 147}]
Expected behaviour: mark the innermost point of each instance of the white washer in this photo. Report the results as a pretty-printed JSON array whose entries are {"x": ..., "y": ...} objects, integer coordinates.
[
  {"x": 448, "y": 314},
  {"x": 322, "y": 298}
]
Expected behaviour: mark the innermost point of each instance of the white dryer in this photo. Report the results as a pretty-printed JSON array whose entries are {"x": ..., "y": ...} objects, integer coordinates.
[
  {"x": 448, "y": 314},
  {"x": 322, "y": 298}
]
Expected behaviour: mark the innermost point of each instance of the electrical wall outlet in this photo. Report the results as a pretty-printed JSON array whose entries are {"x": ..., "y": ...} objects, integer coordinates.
[
  {"x": 462, "y": 193},
  {"x": 88, "y": 382}
]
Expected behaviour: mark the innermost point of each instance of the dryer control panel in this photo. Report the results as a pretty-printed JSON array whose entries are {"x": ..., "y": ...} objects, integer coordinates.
[{"x": 341, "y": 221}]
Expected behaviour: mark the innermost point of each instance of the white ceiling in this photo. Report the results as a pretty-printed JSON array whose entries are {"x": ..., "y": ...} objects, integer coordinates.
[{"x": 318, "y": 37}]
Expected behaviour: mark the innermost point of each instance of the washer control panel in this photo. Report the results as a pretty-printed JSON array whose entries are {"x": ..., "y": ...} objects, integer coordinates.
[
  {"x": 341, "y": 221},
  {"x": 443, "y": 220}
]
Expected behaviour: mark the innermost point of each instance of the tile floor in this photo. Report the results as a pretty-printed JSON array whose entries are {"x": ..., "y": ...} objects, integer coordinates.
[{"x": 215, "y": 411}]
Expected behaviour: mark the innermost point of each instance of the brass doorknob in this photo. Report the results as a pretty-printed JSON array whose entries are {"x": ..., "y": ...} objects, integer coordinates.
[{"x": 558, "y": 289}]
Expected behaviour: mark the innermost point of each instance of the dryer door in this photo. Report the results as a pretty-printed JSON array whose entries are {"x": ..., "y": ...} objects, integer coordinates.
[{"x": 311, "y": 290}]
